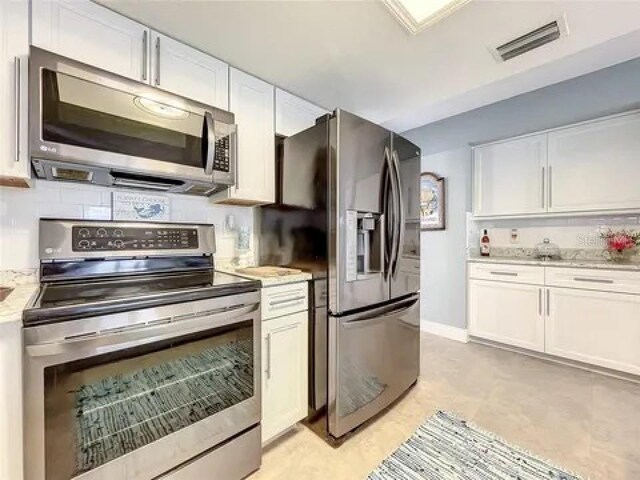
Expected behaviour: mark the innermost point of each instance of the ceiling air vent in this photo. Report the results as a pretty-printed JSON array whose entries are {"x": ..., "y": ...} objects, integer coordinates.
[{"x": 532, "y": 40}]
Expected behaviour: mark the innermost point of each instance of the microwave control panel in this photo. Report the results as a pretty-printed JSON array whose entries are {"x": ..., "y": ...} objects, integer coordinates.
[
  {"x": 221, "y": 155},
  {"x": 91, "y": 238}
]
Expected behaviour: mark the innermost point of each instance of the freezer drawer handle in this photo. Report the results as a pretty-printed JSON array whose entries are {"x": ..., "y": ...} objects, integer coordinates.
[
  {"x": 593, "y": 280},
  {"x": 378, "y": 315}
]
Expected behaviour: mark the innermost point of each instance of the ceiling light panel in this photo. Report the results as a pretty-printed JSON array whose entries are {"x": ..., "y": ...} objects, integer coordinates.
[{"x": 416, "y": 15}]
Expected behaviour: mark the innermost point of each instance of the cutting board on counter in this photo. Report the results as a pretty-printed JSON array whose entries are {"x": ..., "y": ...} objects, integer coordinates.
[{"x": 268, "y": 271}]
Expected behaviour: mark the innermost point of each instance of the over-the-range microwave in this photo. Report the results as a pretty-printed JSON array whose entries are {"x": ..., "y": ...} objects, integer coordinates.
[{"x": 91, "y": 126}]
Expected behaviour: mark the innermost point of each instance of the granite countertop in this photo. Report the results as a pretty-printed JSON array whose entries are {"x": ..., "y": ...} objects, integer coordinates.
[
  {"x": 567, "y": 263},
  {"x": 12, "y": 306},
  {"x": 269, "y": 281}
]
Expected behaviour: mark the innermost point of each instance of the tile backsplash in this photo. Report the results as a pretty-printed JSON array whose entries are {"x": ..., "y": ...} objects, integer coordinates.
[
  {"x": 571, "y": 233},
  {"x": 20, "y": 210}
]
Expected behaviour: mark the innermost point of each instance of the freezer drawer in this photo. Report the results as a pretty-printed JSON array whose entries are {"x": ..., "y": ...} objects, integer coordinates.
[{"x": 374, "y": 357}]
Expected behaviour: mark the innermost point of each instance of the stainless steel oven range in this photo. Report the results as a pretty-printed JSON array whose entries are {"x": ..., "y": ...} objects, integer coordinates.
[{"x": 141, "y": 361}]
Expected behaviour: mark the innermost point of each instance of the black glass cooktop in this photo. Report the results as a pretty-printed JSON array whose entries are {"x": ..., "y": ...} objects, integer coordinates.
[{"x": 78, "y": 299}]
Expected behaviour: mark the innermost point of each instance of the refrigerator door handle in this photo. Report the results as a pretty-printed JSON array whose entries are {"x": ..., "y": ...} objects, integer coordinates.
[
  {"x": 387, "y": 206},
  {"x": 399, "y": 217},
  {"x": 393, "y": 214}
]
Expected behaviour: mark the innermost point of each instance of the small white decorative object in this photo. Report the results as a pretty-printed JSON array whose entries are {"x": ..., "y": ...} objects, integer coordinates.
[{"x": 138, "y": 206}]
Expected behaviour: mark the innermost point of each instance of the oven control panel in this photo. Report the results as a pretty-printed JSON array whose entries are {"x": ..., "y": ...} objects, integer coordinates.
[{"x": 92, "y": 238}]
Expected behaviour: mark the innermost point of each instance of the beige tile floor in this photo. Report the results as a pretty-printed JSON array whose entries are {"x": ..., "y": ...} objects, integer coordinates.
[{"x": 582, "y": 421}]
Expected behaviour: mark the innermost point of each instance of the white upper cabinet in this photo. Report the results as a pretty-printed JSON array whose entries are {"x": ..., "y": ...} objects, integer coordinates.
[
  {"x": 595, "y": 166},
  {"x": 92, "y": 34},
  {"x": 294, "y": 114},
  {"x": 186, "y": 71},
  {"x": 585, "y": 168},
  {"x": 14, "y": 48},
  {"x": 509, "y": 177},
  {"x": 252, "y": 102}
]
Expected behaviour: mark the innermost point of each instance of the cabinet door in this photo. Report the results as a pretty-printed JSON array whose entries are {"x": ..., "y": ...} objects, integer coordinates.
[
  {"x": 186, "y": 71},
  {"x": 509, "y": 177},
  {"x": 252, "y": 102},
  {"x": 284, "y": 377},
  {"x": 509, "y": 313},
  {"x": 602, "y": 328},
  {"x": 89, "y": 33},
  {"x": 294, "y": 114},
  {"x": 14, "y": 49},
  {"x": 594, "y": 166}
]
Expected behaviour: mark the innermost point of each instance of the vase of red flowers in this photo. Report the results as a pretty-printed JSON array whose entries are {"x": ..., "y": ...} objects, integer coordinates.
[{"x": 622, "y": 244}]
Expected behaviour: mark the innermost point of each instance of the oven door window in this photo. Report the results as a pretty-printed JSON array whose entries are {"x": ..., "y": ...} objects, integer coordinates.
[
  {"x": 101, "y": 408},
  {"x": 85, "y": 114}
]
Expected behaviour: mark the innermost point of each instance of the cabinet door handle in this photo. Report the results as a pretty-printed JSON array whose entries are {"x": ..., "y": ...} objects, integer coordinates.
[
  {"x": 540, "y": 302},
  {"x": 593, "y": 280},
  {"x": 145, "y": 55},
  {"x": 505, "y": 274},
  {"x": 17, "y": 77},
  {"x": 235, "y": 159},
  {"x": 542, "y": 189},
  {"x": 286, "y": 300},
  {"x": 550, "y": 185},
  {"x": 158, "y": 61},
  {"x": 548, "y": 303},
  {"x": 267, "y": 370}
]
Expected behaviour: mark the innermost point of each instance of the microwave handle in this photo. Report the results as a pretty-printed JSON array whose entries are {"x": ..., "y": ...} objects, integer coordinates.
[
  {"x": 122, "y": 182},
  {"x": 209, "y": 150}
]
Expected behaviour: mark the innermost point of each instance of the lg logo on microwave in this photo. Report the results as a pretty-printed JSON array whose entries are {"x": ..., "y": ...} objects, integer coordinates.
[{"x": 44, "y": 148}]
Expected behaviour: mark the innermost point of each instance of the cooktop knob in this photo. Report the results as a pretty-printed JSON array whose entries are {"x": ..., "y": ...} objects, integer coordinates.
[
  {"x": 83, "y": 243},
  {"x": 118, "y": 244},
  {"x": 101, "y": 232},
  {"x": 84, "y": 232}
]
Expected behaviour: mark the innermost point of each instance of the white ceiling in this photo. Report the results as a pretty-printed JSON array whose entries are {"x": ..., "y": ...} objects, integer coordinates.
[{"x": 355, "y": 55}]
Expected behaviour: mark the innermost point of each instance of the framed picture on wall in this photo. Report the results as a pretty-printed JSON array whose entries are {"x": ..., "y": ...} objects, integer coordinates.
[{"x": 432, "y": 202}]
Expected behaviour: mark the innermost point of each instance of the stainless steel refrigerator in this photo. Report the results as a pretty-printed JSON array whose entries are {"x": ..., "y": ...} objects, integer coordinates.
[{"x": 348, "y": 210}]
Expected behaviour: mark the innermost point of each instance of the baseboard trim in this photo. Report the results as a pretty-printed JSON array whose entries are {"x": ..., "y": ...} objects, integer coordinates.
[{"x": 446, "y": 331}]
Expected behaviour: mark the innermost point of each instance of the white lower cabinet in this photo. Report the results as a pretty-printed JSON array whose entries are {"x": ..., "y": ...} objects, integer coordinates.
[
  {"x": 590, "y": 316},
  {"x": 507, "y": 312},
  {"x": 601, "y": 328},
  {"x": 11, "y": 400},
  {"x": 284, "y": 373}
]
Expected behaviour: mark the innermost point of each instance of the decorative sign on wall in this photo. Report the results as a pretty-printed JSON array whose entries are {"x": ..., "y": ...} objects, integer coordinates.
[
  {"x": 136, "y": 206},
  {"x": 432, "y": 202}
]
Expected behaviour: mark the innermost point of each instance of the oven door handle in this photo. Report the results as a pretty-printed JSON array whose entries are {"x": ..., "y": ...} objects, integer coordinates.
[{"x": 149, "y": 332}]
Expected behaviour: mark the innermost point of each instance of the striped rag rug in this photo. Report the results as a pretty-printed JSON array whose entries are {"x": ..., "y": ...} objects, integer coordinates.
[{"x": 446, "y": 447}]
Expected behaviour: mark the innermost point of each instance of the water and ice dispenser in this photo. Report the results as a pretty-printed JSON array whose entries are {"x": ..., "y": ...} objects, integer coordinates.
[{"x": 365, "y": 245}]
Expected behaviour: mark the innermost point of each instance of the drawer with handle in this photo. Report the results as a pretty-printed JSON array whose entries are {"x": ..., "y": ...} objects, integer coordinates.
[
  {"x": 284, "y": 299},
  {"x": 594, "y": 279},
  {"x": 501, "y": 272}
]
